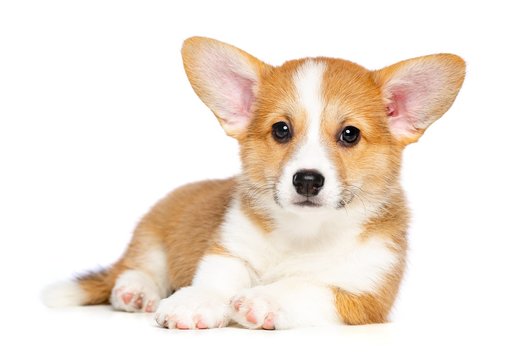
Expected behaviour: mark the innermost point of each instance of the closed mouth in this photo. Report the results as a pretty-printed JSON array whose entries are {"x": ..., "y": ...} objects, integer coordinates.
[{"x": 307, "y": 203}]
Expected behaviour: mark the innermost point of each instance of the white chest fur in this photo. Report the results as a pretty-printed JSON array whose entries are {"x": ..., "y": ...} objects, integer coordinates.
[{"x": 322, "y": 248}]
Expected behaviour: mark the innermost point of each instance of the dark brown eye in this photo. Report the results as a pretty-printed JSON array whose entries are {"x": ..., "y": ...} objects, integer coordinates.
[
  {"x": 281, "y": 132},
  {"x": 349, "y": 136}
]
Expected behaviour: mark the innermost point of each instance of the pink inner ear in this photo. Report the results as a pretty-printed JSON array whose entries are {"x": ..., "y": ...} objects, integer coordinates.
[
  {"x": 232, "y": 86},
  {"x": 399, "y": 120},
  {"x": 244, "y": 87},
  {"x": 391, "y": 109},
  {"x": 405, "y": 107}
]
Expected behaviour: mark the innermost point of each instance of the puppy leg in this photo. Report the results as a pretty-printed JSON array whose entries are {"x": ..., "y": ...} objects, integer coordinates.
[
  {"x": 205, "y": 304},
  {"x": 144, "y": 283},
  {"x": 285, "y": 304}
]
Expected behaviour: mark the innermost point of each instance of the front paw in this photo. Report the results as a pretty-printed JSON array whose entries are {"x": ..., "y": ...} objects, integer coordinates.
[
  {"x": 193, "y": 308},
  {"x": 255, "y": 308}
]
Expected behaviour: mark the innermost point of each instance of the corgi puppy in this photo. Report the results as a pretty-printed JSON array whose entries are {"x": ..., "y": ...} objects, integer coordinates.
[{"x": 313, "y": 231}]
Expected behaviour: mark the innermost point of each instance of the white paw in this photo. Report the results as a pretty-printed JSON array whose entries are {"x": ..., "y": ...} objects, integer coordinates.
[
  {"x": 193, "y": 308},
  {"x": 135, "y": 291},
  {"x": 255, "y": 308}
]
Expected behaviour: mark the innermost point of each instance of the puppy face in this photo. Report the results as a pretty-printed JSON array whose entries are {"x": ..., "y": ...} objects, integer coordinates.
[
  {"x": 319, "y": 136},
  {"x": 320, "y": 133}
]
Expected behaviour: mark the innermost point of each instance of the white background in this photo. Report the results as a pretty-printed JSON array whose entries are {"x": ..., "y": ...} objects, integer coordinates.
[{"x": 98, "y": 121}]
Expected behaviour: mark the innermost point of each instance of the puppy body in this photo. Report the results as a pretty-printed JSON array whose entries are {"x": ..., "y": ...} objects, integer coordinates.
[{"x": 266, "y": 249}]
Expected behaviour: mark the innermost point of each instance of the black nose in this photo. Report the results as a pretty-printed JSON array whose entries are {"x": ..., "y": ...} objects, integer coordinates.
[{"x": 308, "y": 182}]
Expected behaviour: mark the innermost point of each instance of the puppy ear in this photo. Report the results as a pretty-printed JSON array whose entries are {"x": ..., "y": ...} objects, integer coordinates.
[
  {"x": 225, "y": 78},
  {"x": 419, "y": 91}
]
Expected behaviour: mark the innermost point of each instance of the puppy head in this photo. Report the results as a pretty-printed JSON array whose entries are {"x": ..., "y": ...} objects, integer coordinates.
[{"x": 319, "y": 132}]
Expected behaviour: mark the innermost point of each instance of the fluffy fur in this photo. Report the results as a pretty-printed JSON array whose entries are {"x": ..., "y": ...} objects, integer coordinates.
[{"x": 243, "y": 249}]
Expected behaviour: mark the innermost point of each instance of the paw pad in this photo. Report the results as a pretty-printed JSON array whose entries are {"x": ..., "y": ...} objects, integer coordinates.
[
  {"x": 133, "y": 292},
  {"x": 253, "y": 311}
]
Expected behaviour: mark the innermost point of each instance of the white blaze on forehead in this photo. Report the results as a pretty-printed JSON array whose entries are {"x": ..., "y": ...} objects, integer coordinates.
[{"x": 308, "y": 83}]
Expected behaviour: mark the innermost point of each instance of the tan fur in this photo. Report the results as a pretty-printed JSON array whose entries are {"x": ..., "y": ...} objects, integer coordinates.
[
  {"x": 187, "y": 222},
  {"x": 98, "y": 284},
  {"x": 369, "y": 308},
  {"x": 217, "y": 249},
  {"x": 254, "y": 213}
]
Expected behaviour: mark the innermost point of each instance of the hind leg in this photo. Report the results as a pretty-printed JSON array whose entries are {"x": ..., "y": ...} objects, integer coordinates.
[
  {"x": 144, "y": 283},
  {"x": 135, "y": 291}
]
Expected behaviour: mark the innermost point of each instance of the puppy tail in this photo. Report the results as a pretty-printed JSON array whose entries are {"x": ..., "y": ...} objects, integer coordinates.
[{"x": 89, "y": 289}]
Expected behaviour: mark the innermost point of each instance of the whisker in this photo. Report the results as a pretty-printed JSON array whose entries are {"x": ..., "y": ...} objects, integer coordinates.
[
  {"x": 255, "y": 191},
  {"x": 357, "y": 194}
]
